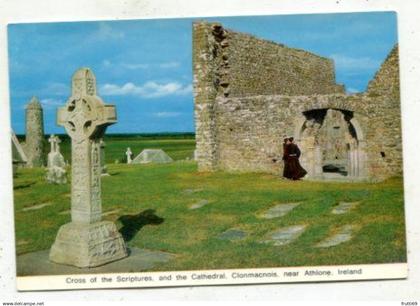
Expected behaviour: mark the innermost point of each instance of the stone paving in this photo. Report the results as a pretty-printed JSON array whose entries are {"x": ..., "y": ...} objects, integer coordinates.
[{"x": 37, "y": 263}]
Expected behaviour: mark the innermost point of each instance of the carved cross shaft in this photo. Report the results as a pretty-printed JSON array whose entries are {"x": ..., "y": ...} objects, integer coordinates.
[{"x": 85, "y": 118}]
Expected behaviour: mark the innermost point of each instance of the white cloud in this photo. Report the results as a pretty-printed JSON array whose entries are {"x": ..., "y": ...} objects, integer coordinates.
[
  {"x": 170, "y": 65},
  {"x": 50, "y": 103},
  {"x": 166, "y": 114},
  {"x": 347, "y": 62},
  {"x": 55, "y": 89},
  {"x": 149, "y": 89},
  {"x": 135, "y": 66}
]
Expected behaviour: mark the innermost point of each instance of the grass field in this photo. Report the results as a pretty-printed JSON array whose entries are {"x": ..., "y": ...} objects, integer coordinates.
[{"x": 150, "y": 204}]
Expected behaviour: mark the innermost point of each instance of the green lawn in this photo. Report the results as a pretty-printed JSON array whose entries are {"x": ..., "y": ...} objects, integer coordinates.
[{"x": 151, "y": 207}]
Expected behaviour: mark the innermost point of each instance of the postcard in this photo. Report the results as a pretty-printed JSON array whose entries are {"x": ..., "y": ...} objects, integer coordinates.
[{"x": 207, "y": 151}]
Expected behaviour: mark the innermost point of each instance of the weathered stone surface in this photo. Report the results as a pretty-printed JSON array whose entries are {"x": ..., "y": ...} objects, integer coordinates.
[
  {"x": 344, "y": 234},
  {"x": 156, "y": 156},
  {"x": 199, "y": 204},
  {"x": 241, "y": 117},
  {"x": 233, "y": 234},
  {"x": 129, "y": 155},
  {"x": 88, "y": 244},
  {"x": 56, "y": 166},
  {"x": 285, "y": 235},
  {"x": 344, "y": 207},
  {"x": 37, "y": 263},
  {"x": 34, "y": 141},
  {"x": 279, "y": 210},
  {"x": 104, "y": 169},
  {"x": 86, "y": 241},
  {"x": 19, "y": 158}
]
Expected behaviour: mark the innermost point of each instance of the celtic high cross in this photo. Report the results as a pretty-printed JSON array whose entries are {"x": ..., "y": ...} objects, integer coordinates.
[{"x": 86, "y": 241}]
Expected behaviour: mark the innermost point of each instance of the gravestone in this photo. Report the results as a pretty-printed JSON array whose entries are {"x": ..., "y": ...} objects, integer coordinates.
[
  {"x": 285, "y": 235},
  {"x": 279, "y": 210},
  {"x": 19, "y": 158},
  {"x": 157, "y": 156},
  {"x": 56, "y": 166},
  {"x": 104, "y": 169},
  {"x": 232, "y": 234},
  {"x": 344, "y": 234},
  {"x": 129, "y": 155},
  {"x": 34, "y": 140},
  {"x": 86, "y": 241}
]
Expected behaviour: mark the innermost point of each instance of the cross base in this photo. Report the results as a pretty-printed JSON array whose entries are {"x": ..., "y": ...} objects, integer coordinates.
[{"x": 88, "y": 245}]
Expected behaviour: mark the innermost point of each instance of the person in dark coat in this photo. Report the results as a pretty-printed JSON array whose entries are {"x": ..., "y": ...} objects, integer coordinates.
[{"x": 292, "y": 168}]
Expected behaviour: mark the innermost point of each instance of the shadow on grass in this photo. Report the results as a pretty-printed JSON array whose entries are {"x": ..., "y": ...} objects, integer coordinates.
[{"x": 133, "y": 223}]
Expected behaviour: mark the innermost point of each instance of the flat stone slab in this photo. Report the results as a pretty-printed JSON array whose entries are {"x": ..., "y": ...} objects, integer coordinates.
[
  {"x": 279, "y": 210},
  {"x": 233, "y": 234},
  {"x": 37, "y": 263},
  {"x": 36, "y": 207},
  {"x": 343, "y": 235},
  {"x": 285, "y": 235},
  {"x": 199, "y": 204},
  {"x": 110, "y": 212},
  {"x": 191, "y": 190},
  {"x": 344, "y": 207}
]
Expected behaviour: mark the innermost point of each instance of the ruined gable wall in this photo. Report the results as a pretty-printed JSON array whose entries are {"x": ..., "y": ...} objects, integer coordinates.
[
  {"x": 239, "y": 128},
  {"x": 261, "y": 67},
  {"x": 384, "y": 88},
  {"x": 226, "y": 63}
]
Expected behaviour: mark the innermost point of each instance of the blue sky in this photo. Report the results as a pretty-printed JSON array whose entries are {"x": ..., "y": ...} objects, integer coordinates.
[{"x": 144, "y": 66}]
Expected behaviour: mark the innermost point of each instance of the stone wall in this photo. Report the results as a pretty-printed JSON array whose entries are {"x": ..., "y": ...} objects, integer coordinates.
[
  {"x": 250, "y": 131},
  {"x": 250, "y": 93}
]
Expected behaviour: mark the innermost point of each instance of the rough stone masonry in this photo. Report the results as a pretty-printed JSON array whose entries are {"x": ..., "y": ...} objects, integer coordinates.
[
  {"x": 249, "y": 93},
  {"x": 86, "y": 241},
  {"x": 34, "y": 142}
]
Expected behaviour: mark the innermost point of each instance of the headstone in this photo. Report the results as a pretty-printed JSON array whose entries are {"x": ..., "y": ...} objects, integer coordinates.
[
  {"x": 19, "y": 158},
  {"x": 56, "y": 167},
  {"x": 104, "y": 169},
  {"x": 86, "y": 241},
  {"x": 34, "y": 142},
  {"x": 129, "y": 155},
  {"x": 157, "y": 156}
]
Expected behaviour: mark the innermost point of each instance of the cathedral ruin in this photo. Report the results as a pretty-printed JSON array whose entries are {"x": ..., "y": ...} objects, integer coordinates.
[{"x": 249, "y": 93}]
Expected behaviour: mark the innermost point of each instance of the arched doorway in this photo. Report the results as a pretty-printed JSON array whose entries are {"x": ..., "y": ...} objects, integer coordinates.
[{"x": 332, "y": 144}]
